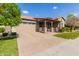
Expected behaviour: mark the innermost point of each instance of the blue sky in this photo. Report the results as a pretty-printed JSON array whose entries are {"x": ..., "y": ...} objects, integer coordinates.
[{"x": 52, "y": 10}]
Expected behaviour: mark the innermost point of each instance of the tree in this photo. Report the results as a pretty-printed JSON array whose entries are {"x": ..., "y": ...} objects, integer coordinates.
[
  {"x": 9, "y": 15},
  {"x": 70, "y": 16},
  {"x": 72, "y": 22}
]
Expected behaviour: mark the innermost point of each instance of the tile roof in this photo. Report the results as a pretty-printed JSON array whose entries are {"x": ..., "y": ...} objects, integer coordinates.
[
  {"x": 31, "y": 18},
  {"x": 27, "y": 17}
]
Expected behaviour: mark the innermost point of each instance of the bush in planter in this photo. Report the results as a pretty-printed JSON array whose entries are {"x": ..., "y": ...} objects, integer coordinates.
[
  {"x": 6, "y": 36},
  {"x": 13, "y": 33}
]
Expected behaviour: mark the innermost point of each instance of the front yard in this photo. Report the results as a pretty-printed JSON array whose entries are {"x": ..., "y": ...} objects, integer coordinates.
[
  {"x": 70, "y": 35},
  {"x": 8, "y": 47}
]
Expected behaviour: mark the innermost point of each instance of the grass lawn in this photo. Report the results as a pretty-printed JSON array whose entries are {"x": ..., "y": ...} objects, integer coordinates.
[
  {"x": 8, "y": 47},
  {"x": 70, "y": 35}
]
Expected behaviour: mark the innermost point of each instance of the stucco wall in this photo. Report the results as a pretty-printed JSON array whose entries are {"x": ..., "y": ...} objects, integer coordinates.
[{"x": 62, "y": 22}]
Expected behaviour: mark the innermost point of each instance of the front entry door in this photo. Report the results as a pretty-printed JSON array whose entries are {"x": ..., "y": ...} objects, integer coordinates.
[{"x": 49, "y": 27}]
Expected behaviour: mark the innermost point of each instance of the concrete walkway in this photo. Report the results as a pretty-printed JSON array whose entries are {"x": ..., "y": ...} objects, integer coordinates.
[
  {"x": 32, "y": 43},
  {"x": 68, "y": 48}
]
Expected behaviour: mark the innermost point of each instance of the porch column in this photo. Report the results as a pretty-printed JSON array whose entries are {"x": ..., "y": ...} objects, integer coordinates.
[
  {"x": 37, "y": 26},
  {"x": 45, "y": 28},
  {"x": 51, "y": 26},
  {"x": 59, "y": 26}
]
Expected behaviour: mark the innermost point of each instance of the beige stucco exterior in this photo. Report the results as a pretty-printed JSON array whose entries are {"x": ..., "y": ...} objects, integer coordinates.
[{"x": 54, "y": 25}]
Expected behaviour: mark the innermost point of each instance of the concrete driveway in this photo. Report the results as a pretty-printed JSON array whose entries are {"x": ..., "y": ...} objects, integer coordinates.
[
  {"x": 32, "y": 43},
  {"x": 68, "y": 48}
]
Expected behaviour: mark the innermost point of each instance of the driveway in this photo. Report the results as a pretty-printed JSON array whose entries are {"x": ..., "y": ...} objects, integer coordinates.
[
  {"x": 33, "y": 43},
  {"x": 68, "y": 48}
]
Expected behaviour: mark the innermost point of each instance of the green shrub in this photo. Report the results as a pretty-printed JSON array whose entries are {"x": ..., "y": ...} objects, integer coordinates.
[
  {"x": 2, "y": 30},
  {"x": 65, "y": 29}
]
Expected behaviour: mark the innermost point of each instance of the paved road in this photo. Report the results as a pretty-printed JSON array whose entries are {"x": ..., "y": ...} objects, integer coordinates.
[{"x": 31, "y": 42}]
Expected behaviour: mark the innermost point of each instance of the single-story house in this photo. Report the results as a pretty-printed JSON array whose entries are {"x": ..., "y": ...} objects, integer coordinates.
[{"x": 45, "y": 24}]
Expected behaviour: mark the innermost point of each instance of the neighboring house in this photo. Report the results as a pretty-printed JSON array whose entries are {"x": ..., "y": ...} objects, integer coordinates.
[{"x": 44, "y": 24}]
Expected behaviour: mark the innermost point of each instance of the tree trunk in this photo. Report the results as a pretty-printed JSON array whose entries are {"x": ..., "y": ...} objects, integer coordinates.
[
  {"x": 8, "y": 29},
  {"x": 71, "y": 29},
  {"x": 74, "y": 29}
]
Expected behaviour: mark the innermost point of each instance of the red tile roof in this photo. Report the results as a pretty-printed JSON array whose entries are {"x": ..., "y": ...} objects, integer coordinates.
[
  {"x": 31, "y": 18},
  {"x": 27, "y": 18}
]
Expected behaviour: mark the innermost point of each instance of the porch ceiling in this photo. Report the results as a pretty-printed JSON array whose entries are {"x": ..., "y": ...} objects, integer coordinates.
[{"x": 48, "y": 20}]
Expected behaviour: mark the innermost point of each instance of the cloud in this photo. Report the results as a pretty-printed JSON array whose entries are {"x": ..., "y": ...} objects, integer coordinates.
[
  {"x": 25, "y": 11},
  {"x": 54, "y": 7}
]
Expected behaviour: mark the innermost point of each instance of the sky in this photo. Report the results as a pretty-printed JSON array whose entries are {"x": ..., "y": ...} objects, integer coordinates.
[{"x": 52, "y": 10}]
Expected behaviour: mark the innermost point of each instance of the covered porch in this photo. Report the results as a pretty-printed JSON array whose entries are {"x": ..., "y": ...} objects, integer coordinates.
[{"x": 47, "y": 25}]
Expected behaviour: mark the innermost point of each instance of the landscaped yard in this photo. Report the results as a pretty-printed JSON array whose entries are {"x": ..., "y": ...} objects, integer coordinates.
[
  {"x": 8, "y": 47},
  {"x": 70, "y": 35}
]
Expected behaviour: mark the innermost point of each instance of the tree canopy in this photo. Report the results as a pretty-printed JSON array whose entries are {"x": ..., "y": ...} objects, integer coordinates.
[
  {"x": 9, "y": 14},
  {"x": 72, "y": 21},
  {"x": 70, "y": 16}
]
